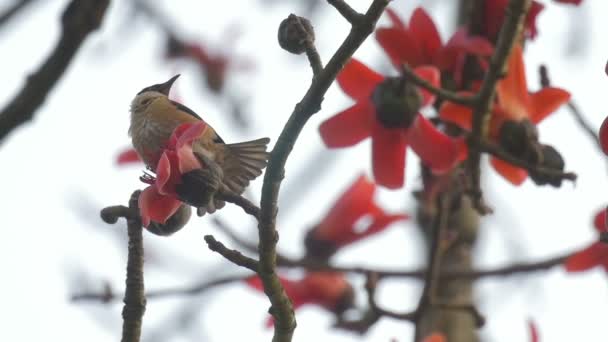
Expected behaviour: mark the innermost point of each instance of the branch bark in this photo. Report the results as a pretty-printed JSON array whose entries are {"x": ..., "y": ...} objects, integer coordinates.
[
  {"x": 281, "y": 307},
  {"x": 79, "y": 19}
]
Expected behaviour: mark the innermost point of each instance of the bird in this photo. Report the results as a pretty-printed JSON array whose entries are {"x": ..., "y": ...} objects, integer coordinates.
[{"x": 154, "y": 117}]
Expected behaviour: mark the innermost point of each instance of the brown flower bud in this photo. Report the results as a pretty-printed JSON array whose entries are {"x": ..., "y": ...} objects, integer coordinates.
[
  {"x": 551, "y": 159},
  {"x": 295, "y": 33},
  {"x": 176, "y": 222},
  {"x": 397, "y": 102},
  {"x": 520, "y": 138}
]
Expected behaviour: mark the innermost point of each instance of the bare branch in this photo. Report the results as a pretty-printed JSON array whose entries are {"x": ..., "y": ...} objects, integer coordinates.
[{"x": 79, "y": 19}]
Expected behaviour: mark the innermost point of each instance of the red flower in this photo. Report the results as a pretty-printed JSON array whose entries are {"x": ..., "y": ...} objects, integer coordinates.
[
  {"x": 604, "y": 136},
  {"x": 435, "y": 337},
  {"x": 420, "y": 44},
  {"x": 330, "y": 290},
  {"x": 159, "y": 201},
  {"x": 572, "y": 2},
  {"x": 594, "y": 255},
  {"x": 215, "y": 65},
  {"x": 128, "y": 156},
  {"x": 339, "y": 227},
  {"x": 495, "y": 11},
  {"x": 391, "y": 131},
  {"x": 534, "y": 336},
  {"x": 515, "y": 103}
]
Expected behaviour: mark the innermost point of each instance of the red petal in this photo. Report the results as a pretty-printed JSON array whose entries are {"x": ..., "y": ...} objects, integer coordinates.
[
  {"x": 534, "y": 337},
  {"x": 401, "y": 46},
  {"x": 546, "y": 101},
  {"x": 513, "y": 89},
  {"x": 425, "y": 32},
  {"x": 435, "y": 149},
  {"x": 192, "y": 132},
  {"x": 599, "y": 222},
  {"x": 388, "y": 156},
  {"x": 432, "y": 75},
  {"x": 535, "y": 9},
  {"x": 572, "y": 2},
  {"x": 156, "y": 207},
  {"x": 348, "y": 127},
  {"x": 380, "y": 223},
  {"x": 186, "y": 160},
  {"x": 436, "y": 337},
  {"x": 358, "y": 81},
  {"x": 604, "y": 136},
  {"x": 163, "y": 173},
  {"x": 594, "y": 255},
  {"x": 513, "y": 174},
  {"x": 354, "y": 203},
  {"x": 459, "y": 115},
  {"x": 461, "y": 44},
  {"x": 127, "y": 157},
  {"x": 395, "y": 20}
]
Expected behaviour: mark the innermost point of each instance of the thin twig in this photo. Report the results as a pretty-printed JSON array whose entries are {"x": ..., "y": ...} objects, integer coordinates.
[
  {"x": 441, "y": 93},
  {"x": 108, "y": 296},
  {"x": 370, "y": 287},
  {"x": 134, "y": 299},
  {"x": 232, "y": 255},
  {"x": 509, "y": 33},
  {"x": 281, "y": 308},
  {"x": 346, "y": 11},
  {"x": 79, "y": 19},
  {"x": 545, "y": 81},
  {"x": 13, "y": 10},
  {"x": 240, "y": 201}
]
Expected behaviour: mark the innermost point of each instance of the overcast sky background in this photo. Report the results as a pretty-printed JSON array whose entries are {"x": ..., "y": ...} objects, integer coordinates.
[{"x": 59, "y": 171}]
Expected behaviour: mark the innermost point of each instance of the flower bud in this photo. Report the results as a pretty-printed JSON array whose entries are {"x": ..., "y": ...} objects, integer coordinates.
[
  {"x": 176, "y": 222},
  {"x": 551, "y": 159},
  {"x": 295, "y": 33},
  {"x": 520, "y": 138},
  {"x": 397, "y": 102}
]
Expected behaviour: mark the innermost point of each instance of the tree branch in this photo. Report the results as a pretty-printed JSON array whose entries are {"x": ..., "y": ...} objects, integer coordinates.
[
  {"x": 79, "y": 19},
  {"x": 441, "y": 93},
  {"x": 281, "y": 308},
  {"x": 509, "y": 33},
  {"x": 232, "y": 255},
  {"x": 240, "y": 201}
]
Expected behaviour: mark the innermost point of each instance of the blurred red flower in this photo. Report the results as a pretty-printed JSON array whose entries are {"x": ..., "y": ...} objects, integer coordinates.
[
  {"x": 329, "y": 290},
  {"x": 159, "y": 201},
  {"x": 572, "y": 2},
  {"x": 594, "y": 255},
  {"x": 392, "y": 125},
  {"x": 534, "y": 336},
  {"x": 215, "y": 65},
  {"x": 603, "y": 135},
  {"x": 435, "y": 337},
  {"x": 339, "y": 227},
  {"x": 128, "y": 156},
  {"x": 420, "y": 44},
  {"x": 515, "y": 104},
  {"x": 495, "y": 11}
]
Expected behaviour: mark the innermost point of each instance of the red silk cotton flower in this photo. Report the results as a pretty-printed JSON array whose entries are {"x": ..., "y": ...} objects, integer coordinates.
[
  {"x": 515, "y": 104},
  {"x": 594, "y": 255},
  {"x": 386, "y": 110},
  {"x": 329, "y": 290},
  {"x": 128, "y": 156},
  {"x": 339, "y": 227},
  {"x": 160, "y": 201},
  {"x": 495, "y": 12},
  {"x": 420, "y": 44}
]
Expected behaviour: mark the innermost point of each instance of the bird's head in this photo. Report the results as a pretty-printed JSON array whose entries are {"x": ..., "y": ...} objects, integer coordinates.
[{"x": 149, "y": 94}]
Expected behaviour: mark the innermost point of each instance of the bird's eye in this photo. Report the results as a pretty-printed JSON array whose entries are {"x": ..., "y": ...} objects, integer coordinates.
[{"x": 146, "y": 102}]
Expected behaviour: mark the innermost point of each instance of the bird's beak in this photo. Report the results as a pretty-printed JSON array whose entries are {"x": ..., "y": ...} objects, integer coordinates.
[{"x": 166, "y": 87}]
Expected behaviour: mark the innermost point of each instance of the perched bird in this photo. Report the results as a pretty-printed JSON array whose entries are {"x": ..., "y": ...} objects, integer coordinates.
[{"x": 154, "y": 117}]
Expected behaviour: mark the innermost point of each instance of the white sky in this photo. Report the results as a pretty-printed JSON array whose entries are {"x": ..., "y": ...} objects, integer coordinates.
[{"x": 58, "y": 172}]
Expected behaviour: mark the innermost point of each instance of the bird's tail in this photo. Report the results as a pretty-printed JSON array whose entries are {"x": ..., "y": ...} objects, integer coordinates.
[{"x": 243, "y": 163}]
